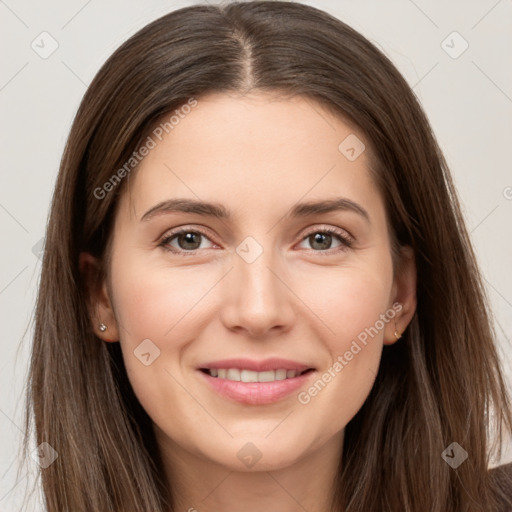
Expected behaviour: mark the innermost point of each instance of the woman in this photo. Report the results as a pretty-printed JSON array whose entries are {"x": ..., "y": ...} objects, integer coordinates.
[{"x": 258, "y": 289}]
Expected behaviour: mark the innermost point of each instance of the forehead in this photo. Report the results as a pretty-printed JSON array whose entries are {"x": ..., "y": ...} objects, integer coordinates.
[{"x": 256, "y": 151}]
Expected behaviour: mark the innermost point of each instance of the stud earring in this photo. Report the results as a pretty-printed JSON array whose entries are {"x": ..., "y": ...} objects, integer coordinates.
[
  {"x": 103, "y": 327},
  {"x": 397, "y": 336}
]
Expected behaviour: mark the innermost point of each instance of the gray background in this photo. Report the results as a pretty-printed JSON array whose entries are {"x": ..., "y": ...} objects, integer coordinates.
[{"x": 467, "y": 97}]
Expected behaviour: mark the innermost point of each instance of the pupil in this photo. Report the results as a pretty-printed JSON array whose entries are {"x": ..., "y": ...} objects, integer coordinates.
[
  {"x": 188, "y": 238},
  {"x": 323, "y": 239}
]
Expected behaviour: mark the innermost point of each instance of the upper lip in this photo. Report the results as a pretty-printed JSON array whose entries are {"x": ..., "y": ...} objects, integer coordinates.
[{"x": 256, "y": 366}]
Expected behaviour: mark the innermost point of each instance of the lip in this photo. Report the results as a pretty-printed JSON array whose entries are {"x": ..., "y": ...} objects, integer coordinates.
[
  {"x": 256, "y": 393},
  {"x": 274, "y": 363}
]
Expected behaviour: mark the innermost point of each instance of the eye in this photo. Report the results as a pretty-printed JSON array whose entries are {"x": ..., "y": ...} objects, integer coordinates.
[
  {"x": 188, "y": 241},
  {"x": 321, "y": 239}
]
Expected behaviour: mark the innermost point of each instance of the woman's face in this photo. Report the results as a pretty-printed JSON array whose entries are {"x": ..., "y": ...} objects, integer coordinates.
[{"x": 254, "y": 279}]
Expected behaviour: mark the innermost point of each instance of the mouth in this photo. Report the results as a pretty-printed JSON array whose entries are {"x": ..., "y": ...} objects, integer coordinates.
[
  {"x": 244, "y": 375},
  {"x": 255, "y": 383}
]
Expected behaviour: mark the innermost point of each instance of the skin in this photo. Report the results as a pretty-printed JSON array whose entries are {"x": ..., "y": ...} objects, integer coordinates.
[{"x": 258, "y": 155}]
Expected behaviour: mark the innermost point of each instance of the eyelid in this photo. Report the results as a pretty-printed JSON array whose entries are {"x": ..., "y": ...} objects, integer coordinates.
[
  {"x": 345, "y": 237},
  {"x": 342, "y": 233},
  {"x": 179, "y": 230}
]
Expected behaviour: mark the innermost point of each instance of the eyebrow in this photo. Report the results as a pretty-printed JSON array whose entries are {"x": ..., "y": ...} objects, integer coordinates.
[{"x": 218, "y": 211}]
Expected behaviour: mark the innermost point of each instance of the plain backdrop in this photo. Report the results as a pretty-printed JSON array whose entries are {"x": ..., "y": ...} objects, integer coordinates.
[{"x": 463, "y": 80}]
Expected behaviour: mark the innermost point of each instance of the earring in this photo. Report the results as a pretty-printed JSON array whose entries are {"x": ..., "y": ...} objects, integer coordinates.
[
  {"x": 397, "y": 336},
  {"x": 103, "y": 327}
]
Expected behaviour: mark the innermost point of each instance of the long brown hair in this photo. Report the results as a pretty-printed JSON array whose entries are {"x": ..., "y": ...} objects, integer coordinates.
[{"x": 440, "y": 383}]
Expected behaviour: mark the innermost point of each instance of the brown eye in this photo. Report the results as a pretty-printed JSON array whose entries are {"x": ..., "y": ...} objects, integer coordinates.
[
  {"x": 184, "y": 240},
  {"x": 189, "y": 241},
  {"x": 321, "y": 240}
]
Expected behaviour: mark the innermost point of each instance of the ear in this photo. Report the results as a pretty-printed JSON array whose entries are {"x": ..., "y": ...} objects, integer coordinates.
[
  {"x": 403, "y": 295},
  {"x": 98, "y": 299}
]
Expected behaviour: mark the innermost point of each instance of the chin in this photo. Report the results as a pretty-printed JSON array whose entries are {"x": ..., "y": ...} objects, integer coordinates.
[{"x": 258, "y": 454}]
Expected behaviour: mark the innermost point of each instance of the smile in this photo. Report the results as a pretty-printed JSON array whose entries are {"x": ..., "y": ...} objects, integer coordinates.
[
  {"x": 243, "y": 375},
  {"x": 255, "y": 382}
]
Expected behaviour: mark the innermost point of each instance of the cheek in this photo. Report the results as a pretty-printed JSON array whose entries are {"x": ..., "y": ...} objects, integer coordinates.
[
  {"x": 152, "y": 301},
  {"x": 353, "y": 304},
  {"x": 164, "y": 305},
  {"x": 160, "y": 305},
  {"x": 349, "y": 298},
  {"x": 335, "y": 306}
]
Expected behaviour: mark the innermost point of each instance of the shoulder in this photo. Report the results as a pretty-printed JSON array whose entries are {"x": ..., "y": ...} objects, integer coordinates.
[{"x": 501, "y": 476}]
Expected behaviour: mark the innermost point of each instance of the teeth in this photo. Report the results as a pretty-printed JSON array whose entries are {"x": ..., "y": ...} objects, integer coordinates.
[
  {"x": 280, "y": 374},
  {"x": 251, "y": 376},
  {"x": 233, "y": 374},
  {"x": 248, "y": 376},
  {"x": 268, "y": 376}
]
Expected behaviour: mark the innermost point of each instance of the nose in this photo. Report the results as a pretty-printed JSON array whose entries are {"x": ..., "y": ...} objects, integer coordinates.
[{"x": 258, "y": 299}]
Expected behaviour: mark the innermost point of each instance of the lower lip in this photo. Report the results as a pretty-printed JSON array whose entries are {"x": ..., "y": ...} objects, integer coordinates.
[{"x": 256, "y": 393}]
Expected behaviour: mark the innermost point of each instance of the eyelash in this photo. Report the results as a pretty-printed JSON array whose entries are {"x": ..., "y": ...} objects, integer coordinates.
[{"x": 345, "y": 239}]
